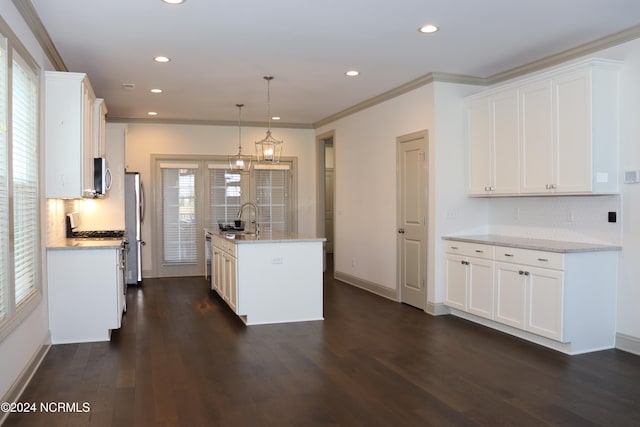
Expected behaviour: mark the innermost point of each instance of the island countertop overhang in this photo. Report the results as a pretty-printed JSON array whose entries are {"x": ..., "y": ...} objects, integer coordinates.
[{"x": 265, "y": 237}]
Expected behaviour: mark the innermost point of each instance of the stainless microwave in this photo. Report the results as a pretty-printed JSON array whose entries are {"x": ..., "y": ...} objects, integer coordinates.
[{"x": 102, "y": 177}]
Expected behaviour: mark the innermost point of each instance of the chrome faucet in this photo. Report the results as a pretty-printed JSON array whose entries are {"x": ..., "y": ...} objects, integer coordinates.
[{"x": 255, "y": 212}]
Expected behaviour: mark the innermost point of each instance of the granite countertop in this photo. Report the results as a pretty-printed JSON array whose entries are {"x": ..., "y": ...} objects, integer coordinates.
[
  {"x": 535, "y": 244},
  {"x": 84, "y": 243},
  {"x": 266, "y": 237}
]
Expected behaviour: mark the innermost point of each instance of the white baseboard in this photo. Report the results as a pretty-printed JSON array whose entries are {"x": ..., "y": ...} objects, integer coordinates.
[
  {"x": 628, "y": 343},
  {"x": 18, "y": 386},
  {"x": 375, "y": 288},
  {"x": 437, "y": 309}
]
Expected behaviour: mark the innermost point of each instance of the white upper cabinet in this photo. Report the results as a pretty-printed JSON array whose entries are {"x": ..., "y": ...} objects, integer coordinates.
[
  {"x": 69, "y": 135},
  {"x": 555, "y": 133},
  {"x": 99, "y": 121},
  {"x": 536, "y": 137},
  {"x": 492, "y": 125}
]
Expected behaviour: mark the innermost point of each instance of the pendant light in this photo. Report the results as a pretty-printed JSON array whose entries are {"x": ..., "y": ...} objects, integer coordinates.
[
  {"x": 268, "y": 150},
  {"x": 240, "y": 162}
]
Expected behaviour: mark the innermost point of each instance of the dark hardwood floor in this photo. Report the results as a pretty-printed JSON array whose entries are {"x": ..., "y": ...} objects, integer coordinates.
[{"x": 183, "y": 359}]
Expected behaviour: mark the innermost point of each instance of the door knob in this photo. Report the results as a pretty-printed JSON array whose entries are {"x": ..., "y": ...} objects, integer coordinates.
[{"x": 401, "y": 231}]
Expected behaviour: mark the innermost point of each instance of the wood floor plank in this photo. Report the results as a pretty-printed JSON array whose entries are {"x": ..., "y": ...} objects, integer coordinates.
[{"x": 182, "y": 358}]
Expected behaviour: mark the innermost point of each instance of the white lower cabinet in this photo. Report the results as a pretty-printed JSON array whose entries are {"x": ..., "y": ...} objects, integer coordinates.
[
  {"x": 470, "y": 278},
  {"x": 530, "y": 298},
  {"x": 86, "y": 294},
  {"x": 225, "y": 271},
  {"x": 564, "y": 298}
]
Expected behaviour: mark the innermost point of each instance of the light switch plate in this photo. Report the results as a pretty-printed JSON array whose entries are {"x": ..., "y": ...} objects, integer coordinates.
[{"x": 632, "y": 177}]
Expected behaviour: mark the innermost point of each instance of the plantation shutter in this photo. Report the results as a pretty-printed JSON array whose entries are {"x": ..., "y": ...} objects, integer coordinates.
[
  {"x": 273, "y": 185},
  {"x": 225, "y": 191},
  {"x": 178, "y": 211},
  {"x": 4, "y": 185},
  {"x": 25, "y": 178}
]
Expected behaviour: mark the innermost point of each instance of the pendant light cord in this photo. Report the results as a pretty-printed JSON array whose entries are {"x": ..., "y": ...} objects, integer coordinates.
[
  {"x": 239, "y": 127},
  {"x": 268, "y": 79}
]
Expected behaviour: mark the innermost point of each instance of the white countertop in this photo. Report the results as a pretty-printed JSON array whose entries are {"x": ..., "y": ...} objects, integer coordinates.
[
  {"x": 535, "y": 244},
  {"x": 85, "y": 243},
  {"x": 266, "y": 237}
]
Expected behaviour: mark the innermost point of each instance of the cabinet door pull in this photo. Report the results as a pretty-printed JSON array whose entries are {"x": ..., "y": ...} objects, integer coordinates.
[
  {"x": 479, "y": 251},
  {"x": 509, "y": 255},
  {"x": 543, "y": 259},
  {"x": 454, "y": 247},
  {"x": 521, "y": 272},
  {"x": 526, "y": 273}
]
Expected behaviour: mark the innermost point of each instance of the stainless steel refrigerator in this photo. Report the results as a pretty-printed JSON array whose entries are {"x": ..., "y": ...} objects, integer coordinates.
[{"x": 134, "y": 217}]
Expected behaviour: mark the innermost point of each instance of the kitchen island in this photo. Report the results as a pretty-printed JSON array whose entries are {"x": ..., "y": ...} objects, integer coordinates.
[{"x": 269, "y": 277}]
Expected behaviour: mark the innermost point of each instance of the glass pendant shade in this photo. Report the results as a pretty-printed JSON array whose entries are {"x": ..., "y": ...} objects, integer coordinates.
[
  {"x": 240, "y": 162},
  {"x": 268, "y": 150}
]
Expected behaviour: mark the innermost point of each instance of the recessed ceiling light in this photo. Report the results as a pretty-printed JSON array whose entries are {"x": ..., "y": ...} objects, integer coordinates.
[
  {"x": 174, "y": 1},
  {"x": 152, "y": 113},
  {"x": 156, "y": 91},
  {"x": 275, "y": 118},
  {"x": 161, "y": 59},
  {"x": 429, "y": 28},
  {"x": 352, "y": 73}
]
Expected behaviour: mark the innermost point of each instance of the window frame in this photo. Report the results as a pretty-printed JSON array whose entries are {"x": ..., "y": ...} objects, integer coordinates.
[{"x": 15, "y": 314}]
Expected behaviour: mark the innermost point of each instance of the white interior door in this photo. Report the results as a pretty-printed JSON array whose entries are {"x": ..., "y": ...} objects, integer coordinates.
[{"x": 412, "y": 215}]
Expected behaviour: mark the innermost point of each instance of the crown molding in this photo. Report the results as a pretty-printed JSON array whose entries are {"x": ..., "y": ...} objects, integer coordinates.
[
  {"x": 169, "y": 121},
  {"x": 593, "y": 46},
  {"x": 400, "y": 90},
  {"x": 611, "y": 40},
  {"x": 30, "y": 16}
]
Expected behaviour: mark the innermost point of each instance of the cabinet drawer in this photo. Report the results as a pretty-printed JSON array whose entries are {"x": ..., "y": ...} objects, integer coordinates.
[
  {"x": 552, "y": 260},
  {"x": 477, "y": 250},
  {"x": 231, "y": 248}
]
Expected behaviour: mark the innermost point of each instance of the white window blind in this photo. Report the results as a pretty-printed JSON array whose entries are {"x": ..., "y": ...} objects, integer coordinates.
[
  {"x": 25, "y": 178},
  {"x": 179, "y": 213},
  {"x": 4, "y": 185},
  {"x": 272, "y": 196},
  {"x": 225, "y": 191}
]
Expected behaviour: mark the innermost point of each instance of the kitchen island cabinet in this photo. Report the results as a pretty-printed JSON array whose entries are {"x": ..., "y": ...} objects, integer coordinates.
[
  {"x": 269, "y": 278},
  {"x": 85, "y": 289}
]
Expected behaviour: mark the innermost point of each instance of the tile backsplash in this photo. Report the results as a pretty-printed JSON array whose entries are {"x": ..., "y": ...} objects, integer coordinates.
[
  {"x": 56, "y": 222},
  {"x": 571, "y": 218}
]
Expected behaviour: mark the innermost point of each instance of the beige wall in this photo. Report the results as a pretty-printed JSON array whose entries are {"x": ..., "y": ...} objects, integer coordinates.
[{"x": 145, "y": 140}]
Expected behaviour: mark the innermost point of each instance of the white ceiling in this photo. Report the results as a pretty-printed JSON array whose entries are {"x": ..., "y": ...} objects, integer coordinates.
[{"x": 221, "y": 49}]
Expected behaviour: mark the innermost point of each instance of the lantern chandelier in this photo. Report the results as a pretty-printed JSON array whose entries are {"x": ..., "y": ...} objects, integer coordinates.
[
  {"x": 240, "y": 162},
  {"x": 268, "y": 150}
]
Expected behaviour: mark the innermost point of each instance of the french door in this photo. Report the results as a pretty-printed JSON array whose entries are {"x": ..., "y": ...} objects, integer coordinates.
[
  {"x": 201, "y": 192},
  {"x": 179, "y": 219}
]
